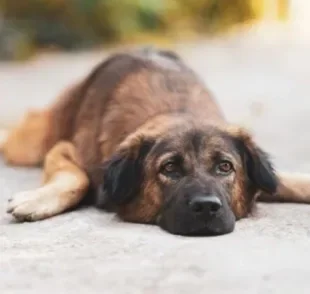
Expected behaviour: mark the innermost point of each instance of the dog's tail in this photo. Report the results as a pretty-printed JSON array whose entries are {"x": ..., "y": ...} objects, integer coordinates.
[{"x": 293, "y": 187}]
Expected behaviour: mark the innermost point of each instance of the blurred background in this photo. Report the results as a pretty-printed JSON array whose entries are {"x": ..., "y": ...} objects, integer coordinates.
[
  {"x": 30, "y": 26},
  {"x": 252, "y": 54}
]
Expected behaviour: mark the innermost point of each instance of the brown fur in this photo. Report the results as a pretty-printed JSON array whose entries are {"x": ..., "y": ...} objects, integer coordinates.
[
  {"x": 64, "y": 185},
  {"x": 126, "y": 98}
]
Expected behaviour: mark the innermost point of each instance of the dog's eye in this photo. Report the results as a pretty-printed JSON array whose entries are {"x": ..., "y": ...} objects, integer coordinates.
[
  {"x": 170, "y": 167},
  {"x": 225, "y": 167}
]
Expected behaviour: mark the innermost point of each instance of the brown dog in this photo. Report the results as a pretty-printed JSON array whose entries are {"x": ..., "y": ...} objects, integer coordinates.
[{"x": 142, "y": 136}]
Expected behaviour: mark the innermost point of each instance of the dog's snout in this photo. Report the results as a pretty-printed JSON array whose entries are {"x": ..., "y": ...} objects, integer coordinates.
[{"x": 210, "y": 204}]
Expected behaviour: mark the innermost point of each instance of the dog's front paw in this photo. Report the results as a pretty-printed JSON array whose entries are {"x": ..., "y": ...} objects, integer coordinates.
[{"x": 31, "y": 205}]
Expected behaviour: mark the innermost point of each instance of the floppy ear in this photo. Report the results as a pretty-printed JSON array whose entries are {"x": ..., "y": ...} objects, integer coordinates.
[
  {"x": 123, "y": 175},
  {"x": 256, "y": 162}
]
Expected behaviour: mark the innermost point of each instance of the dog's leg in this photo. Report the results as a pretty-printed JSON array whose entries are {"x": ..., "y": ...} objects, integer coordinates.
[
  {"x": 27, "y": 143},
  {"x": 3, "y": 138},
  {"x": 293, "y": 187},
  {"x": 65, "y": 184}
]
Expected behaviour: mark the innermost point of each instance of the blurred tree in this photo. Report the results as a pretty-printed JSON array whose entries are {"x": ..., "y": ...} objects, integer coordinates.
[{"x": 76, "y": 24}]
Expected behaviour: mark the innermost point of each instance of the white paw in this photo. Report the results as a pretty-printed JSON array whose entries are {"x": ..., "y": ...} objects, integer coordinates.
[{"x": 32, "y": 205}]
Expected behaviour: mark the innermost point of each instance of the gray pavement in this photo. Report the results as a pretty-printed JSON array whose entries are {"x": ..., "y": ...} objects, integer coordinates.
[{"x": 262, "y": 82}]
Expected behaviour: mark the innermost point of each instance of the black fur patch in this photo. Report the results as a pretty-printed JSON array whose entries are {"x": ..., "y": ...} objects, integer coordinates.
[
  {"x": 259, "y": 168},
  {"x": 122, "y": 177}
]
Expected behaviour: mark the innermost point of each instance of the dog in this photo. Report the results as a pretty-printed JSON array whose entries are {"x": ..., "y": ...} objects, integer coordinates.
[{"x": 143, "y": 137}]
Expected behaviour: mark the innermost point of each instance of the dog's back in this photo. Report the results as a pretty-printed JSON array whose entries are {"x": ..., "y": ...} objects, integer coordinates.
[{"x": 122, "y": 93}]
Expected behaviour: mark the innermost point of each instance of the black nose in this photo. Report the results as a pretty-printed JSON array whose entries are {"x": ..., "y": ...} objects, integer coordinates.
[{"x": 205, "y": 203}]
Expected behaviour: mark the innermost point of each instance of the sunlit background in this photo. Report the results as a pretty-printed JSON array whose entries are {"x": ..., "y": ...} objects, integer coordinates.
[
  {"x": 252, "y": 54},
  {"x": 29, "y": 26}
]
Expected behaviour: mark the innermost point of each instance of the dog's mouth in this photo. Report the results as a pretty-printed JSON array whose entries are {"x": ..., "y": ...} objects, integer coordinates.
[
  {"x": 205, "y": 231},
  {"x": 186, "y": 227}
]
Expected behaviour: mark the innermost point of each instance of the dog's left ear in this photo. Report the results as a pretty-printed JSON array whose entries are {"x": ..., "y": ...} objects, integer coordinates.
[
  {"x": 256, "y": 161},
  {"x": 123, "y": 175}
]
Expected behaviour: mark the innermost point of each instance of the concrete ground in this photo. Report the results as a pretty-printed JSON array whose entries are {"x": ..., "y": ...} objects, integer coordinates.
[{"x": 261, "y": 79}]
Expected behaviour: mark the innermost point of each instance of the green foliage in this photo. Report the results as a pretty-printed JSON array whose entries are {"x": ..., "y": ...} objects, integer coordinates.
[{"x": 76, "y": 24}]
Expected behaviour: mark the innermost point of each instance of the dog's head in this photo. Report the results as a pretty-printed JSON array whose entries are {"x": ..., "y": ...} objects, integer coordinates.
[{"x": 189, "y": 179}]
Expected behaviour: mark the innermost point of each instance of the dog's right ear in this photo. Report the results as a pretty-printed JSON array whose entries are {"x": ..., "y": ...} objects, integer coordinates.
[
  {"x": 123, "y": 175},
  {"x": 257, "y": 164}
]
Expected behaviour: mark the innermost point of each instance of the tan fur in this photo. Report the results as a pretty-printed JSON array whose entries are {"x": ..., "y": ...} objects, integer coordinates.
[
  {"x": 145, "y": 207},
  {"x": 4, "y": 133},
  {"x": 239, "y": 204},
  {"x": 293, "y": 187},
  {"x": 64, "y": 185},
  {"x": 27, "y": 144}
]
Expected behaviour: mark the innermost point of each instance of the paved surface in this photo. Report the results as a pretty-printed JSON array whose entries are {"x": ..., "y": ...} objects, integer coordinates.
[{"x": 261, "y": 81}]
